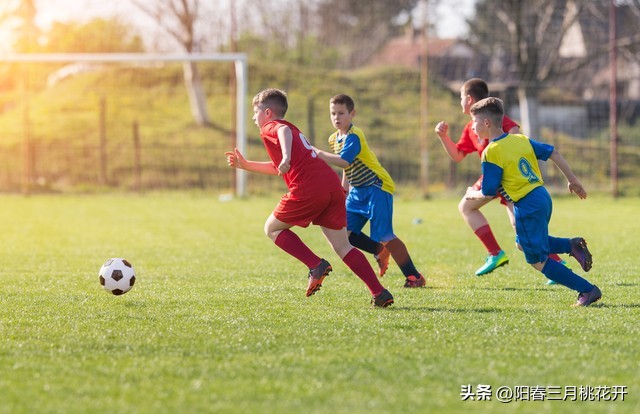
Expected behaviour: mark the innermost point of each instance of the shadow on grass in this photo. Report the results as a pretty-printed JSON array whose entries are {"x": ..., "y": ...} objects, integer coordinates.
[
  {"x": 436, "y": 309},
  {"x": 615, "y": 305}
]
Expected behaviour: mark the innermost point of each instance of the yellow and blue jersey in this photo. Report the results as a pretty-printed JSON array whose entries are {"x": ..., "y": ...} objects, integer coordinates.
[
  {"x": 510, "y": 166},
  {"x": 364, "y": 169}
]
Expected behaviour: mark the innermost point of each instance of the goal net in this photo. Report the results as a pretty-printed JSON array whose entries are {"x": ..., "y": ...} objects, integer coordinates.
[{"x": 130, "y": 121}]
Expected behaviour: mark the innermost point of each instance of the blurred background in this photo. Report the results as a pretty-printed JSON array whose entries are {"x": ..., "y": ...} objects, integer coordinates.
[{"x": 568, "y": 71}]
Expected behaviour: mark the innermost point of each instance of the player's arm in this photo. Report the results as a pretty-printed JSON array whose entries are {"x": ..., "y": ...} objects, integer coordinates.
[
  {"x": 574, "y": 184},
  {"x": 350, "y": 150},
  {"x": 286, "y": 139},
  {"x": 345, "y": 181},
  {"x": 491, "y": 180},
  {"x": 235, "y": 159},
  {"x": 332, "y": 159},
  {"x": 442, "y": 130}
]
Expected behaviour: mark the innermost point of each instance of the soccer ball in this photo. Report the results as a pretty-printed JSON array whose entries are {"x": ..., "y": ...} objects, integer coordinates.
[{"x": 117, "y": 276}]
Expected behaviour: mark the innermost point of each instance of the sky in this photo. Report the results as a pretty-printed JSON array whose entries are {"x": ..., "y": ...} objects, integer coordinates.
[{"x": 449, "y": 16}]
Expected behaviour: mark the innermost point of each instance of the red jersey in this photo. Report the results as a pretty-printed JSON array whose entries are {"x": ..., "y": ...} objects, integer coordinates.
[
  {"x": 308, "y": 175},
  {"x": 469, "y": 141}
]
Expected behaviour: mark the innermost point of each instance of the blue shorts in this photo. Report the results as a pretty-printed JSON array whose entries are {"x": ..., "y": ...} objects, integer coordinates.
[
  {"x": 371, "y": 204},
  {"x": 532, "y": 213}
]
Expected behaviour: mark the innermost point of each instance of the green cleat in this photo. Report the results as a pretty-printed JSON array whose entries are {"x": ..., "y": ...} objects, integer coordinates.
[{"x": 492, "y": 263}]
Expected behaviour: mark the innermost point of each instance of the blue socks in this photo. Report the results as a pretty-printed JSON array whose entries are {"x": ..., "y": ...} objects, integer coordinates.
[
  {"x": 559, "y": 245},
  {"x": 561, "y": 274}
]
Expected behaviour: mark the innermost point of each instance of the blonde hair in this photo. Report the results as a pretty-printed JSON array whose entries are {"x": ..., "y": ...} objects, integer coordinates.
[{"x": 274, "y": 99}]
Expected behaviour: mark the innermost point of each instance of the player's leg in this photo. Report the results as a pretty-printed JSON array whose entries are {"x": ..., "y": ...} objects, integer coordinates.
[
  {"x": 357, "y": 262},
  {"x": 281, "y": 234},
  {"x": 532, "y": 229},
  {"x": 512, "y": 220},
  {"x": 381, "y": 220},
  {"x": 293, "y": 212},
  {"x": 357, "y": 216},
  {"x": 332, "y": 221},
  {"x": 367, "y": 244},
  {"x": 470, "y": 211}
]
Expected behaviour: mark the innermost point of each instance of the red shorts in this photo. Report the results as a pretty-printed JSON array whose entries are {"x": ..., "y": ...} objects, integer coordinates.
[
  {"x": 324, "y": 209},
  {"x": 478, "y": 186}
]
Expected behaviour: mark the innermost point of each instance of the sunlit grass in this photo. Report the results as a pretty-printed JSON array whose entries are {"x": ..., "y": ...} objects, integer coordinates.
[{"x": 218, "y": 321}]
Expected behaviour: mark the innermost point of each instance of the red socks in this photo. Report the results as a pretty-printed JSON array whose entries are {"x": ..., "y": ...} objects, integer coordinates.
[
  {"x": 485, "y": 235},
  {"x": 291, "y": 243},
  {"x": 357, "y": 262}
]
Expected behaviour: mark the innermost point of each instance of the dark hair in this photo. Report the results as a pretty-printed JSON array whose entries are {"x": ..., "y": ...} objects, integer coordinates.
[
  {"x": 342, "y": 99},
  {"x": 475, "y": 88},
  {"x": 491, "y": 107},
  {"x": 275, "y": 99}
]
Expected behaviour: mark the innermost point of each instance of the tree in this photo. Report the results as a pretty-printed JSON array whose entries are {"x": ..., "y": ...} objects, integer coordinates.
[
  {"x": 529, "y": 37},
  {"x": 360, "y": 27},
  {"x": 178, "y": 18},
  {"x": 96, "y": 36},
  {"x": 19, "y": 16}
]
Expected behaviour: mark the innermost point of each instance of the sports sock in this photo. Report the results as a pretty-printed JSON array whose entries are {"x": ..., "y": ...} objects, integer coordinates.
[
  {"x": 487, "y": 238},
  {"x": 357, "y": 262},
  {"x": 291, "y": 243},
  {"x": 559, "y": 245},
  {"x": 563, "y": 275},
  {"x": 365, "y": 243},
  {"x": 400, "y": 255}
]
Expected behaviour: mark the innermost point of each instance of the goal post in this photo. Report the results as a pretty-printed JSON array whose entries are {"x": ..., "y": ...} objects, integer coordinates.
[{"x": 241, "y": 73}]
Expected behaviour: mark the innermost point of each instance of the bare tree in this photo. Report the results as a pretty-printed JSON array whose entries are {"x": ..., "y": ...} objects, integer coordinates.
[
  {"x": 531, "y": 33},
  {"x": 178, "y": 18}
]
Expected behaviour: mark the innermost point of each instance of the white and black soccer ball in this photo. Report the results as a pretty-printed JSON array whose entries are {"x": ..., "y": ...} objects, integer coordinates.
[{"x": 117, "y": 276}]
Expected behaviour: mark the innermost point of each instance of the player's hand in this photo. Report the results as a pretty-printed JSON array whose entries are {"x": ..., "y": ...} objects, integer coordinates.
[
  {"x": 576, "y": 188},
  {"x": 473, "y": 194},
  {"x": 235, "y": 159},
  {"x": 442, "y": 129},
  {"x": 284, "y": 166}
]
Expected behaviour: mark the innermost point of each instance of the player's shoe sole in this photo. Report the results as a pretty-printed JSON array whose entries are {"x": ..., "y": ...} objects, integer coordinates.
[
  {"x": 581, "y": 253},
  {"x": 492, "y": 263},
  {"x": 317, "y": 275},
  {"x": 383, "y": 299}
]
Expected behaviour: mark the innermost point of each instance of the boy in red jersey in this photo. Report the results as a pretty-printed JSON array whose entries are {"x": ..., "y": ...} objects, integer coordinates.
[
  {"x": 472, "y": 91},
  {"x": 315, "y": 196}
]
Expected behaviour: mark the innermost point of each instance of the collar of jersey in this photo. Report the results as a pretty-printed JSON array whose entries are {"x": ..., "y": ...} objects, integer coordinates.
[{"x": 500, "y": 137}]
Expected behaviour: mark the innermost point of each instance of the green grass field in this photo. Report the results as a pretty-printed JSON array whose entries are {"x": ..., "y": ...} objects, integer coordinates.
[{"x": 218, "y": 321}]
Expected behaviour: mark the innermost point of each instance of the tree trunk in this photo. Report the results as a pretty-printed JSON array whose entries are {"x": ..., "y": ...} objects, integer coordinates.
[
  {"x": 197, "y": 98},
  {"x": 530, "y": 124}
]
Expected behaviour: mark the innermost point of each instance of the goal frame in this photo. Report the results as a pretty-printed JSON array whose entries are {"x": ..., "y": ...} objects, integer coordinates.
[{"x": 241, "y": 72}]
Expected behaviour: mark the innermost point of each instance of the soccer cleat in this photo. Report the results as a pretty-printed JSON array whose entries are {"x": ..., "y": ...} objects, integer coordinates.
[
  {"x": 581, "y": 253},
  {"x": 587, "y": 298},
  {"x": 383, "y": 261},
  {"x": 492, "y": 263},
  {"x": 415, "y": 281},
  {"x": 317, "y": 275},
  {"x": 383, "y": 299}
]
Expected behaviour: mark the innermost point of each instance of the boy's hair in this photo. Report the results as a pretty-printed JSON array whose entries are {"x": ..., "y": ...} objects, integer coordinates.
[
  {"x": 490, "y": 107},
  {"x": 475, "y": 88},
  {"x": 274, "y": 99},
  {"x": 342, "y": 99}
]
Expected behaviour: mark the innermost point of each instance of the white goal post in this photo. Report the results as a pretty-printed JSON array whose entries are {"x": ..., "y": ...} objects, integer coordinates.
[{"x": 241, "y": 72}]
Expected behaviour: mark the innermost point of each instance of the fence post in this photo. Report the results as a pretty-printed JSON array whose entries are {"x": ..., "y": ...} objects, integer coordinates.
[
  {"x": 102, "y": 178},
  {"x": 137, "y": 165}
]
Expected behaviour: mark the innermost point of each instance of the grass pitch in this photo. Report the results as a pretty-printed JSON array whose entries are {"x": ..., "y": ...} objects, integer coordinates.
[{"x": 218, "y": 322}]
